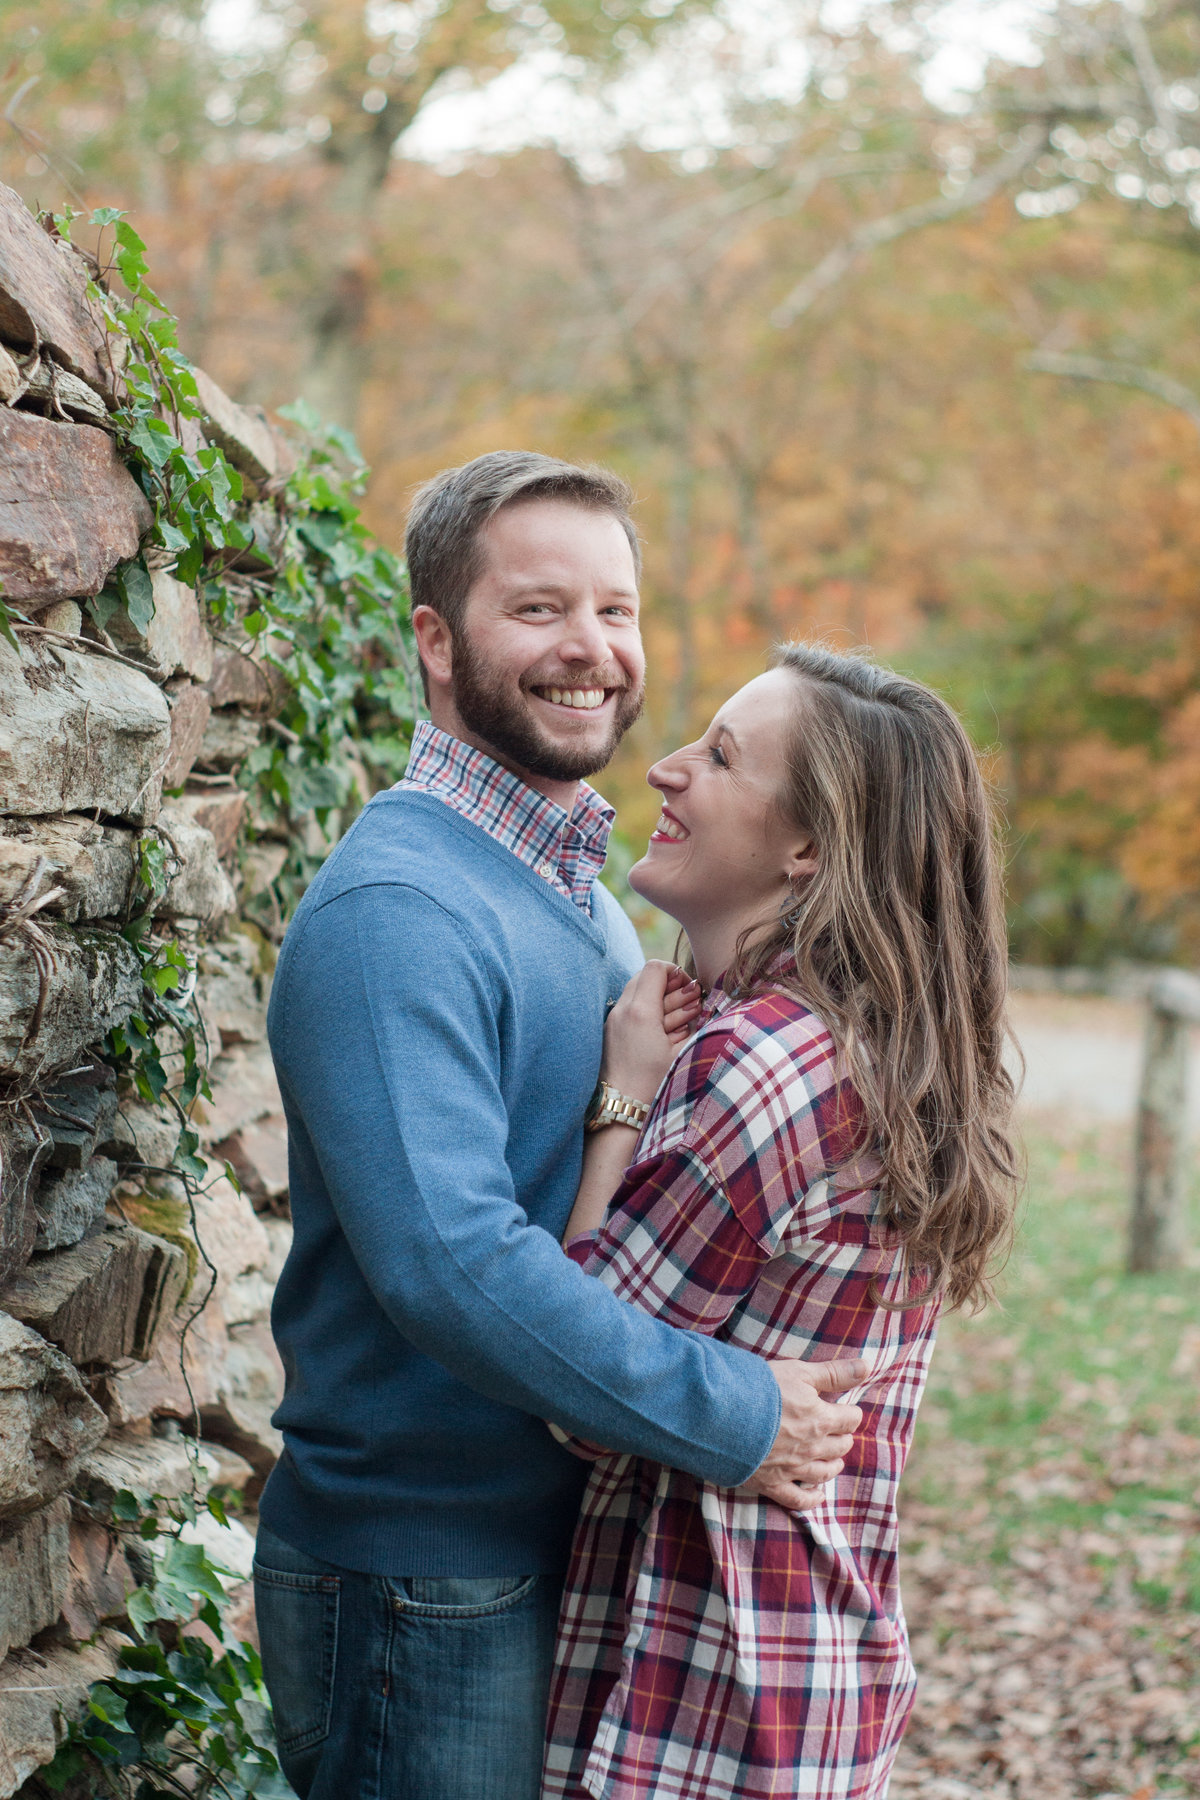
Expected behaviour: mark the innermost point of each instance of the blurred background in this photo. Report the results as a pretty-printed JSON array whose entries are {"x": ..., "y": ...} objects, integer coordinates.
[
  {"x": 887, "y": 313},
  {"x": 889, "y": 316}
]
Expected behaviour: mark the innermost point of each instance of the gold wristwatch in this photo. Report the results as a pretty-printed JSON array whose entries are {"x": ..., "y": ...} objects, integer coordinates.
[{"x": 608, "y": 1107}]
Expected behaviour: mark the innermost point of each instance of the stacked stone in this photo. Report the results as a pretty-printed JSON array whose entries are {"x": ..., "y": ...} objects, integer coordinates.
[{"x": 104, "y": 741}]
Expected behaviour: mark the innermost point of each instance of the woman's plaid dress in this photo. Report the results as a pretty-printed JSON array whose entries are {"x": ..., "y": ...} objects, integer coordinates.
[{"x": 713, "y": 1647}]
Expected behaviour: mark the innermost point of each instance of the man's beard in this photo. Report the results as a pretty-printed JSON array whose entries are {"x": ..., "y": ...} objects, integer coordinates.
[{"x": 486, "y": 708}]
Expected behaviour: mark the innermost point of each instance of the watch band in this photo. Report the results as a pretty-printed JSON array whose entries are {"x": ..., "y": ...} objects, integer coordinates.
[{"x": 608, "y": 1107}]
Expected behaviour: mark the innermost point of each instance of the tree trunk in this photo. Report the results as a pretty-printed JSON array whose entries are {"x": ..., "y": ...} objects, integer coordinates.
[
  {"x": 336, "y": 355},
  {"x": 1156, "y": 1233}
]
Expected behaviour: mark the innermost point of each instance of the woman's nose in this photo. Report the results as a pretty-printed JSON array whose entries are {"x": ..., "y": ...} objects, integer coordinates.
[{"x": 667, "y": 775}]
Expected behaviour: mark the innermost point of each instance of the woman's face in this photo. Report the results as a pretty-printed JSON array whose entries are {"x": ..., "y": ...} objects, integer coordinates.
[{"x": 723, "y": 849}]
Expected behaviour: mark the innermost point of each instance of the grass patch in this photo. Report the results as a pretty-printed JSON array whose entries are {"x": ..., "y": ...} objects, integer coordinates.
[{"x": 1076, "y": 1401}]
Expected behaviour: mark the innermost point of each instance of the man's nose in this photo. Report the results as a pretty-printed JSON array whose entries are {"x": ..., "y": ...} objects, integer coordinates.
[{"x": 584, "y": 641}]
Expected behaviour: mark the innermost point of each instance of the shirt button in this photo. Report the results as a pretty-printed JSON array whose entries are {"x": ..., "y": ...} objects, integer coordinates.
[{"x": 546, "y": 871}]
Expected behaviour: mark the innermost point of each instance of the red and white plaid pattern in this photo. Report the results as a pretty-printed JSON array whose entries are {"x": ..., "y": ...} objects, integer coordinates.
[
  {"x": 712, "y": 1647},
  {"x": 568, "y": 852}
]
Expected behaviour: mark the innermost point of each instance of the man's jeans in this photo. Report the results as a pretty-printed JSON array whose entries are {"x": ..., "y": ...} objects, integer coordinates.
[{"x": 426, "y": 1688}]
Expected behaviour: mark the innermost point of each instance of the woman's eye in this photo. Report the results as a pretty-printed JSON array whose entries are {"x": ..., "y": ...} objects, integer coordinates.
[{"x": 717, "y": 755}]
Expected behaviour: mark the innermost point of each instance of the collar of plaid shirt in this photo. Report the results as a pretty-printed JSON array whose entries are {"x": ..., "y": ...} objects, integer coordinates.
[{"x": 567, "y": 850}]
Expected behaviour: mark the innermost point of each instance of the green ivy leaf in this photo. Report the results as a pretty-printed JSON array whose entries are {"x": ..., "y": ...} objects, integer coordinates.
[
  {"x": 164, "y": 980},
  {"x": 6, "y": 630},
  {"x": 190, "y": 562},
  {"x": 67, "y": 1764},
  {"x": 142, "y": 1609},
  {"x": 138, "y": 592},
  {"x": 108, "y": 1707},
  {"x": 186, "y": 1157},
  {"x": 152, "y": 866},
  {"x": 155, "y": 441},
  {"x": 101, "y": 607}
]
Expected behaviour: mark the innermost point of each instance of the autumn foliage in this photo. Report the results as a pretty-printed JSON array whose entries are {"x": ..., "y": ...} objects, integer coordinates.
[{"x": 874, "y": 460}]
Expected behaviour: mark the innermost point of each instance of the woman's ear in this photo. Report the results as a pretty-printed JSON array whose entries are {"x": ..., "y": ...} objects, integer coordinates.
[{"x": 802, "y": 860}]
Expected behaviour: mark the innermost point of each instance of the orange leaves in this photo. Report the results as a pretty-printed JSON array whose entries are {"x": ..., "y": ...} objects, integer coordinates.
[{"x": 1163, "y": 854}]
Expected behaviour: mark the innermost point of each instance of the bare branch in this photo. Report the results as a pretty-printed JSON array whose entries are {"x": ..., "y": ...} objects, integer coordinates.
[
  {"x": 1100, "y": 368},
  {"x": 744, "y": 211},
  {"x": 859, "y": 245},
  {"x": 1071, "y": 102},
  {"x": 33, "y": 140},
  {"x": 1150, "y": 76}
]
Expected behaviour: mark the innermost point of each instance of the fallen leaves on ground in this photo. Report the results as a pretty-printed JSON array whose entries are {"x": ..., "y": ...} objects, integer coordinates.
[
  {"x": 1049, "y": 1677},
  {"x": 1051, "y": 1515}
]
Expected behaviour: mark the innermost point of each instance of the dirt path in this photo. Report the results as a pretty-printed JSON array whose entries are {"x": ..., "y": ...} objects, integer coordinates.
[{"x": 1083, "y": 1057}]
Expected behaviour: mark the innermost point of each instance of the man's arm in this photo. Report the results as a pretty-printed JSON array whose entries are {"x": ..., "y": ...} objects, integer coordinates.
[
  {"x": 385, "y": 1034},
  {"x": 814, "y": 1435}
]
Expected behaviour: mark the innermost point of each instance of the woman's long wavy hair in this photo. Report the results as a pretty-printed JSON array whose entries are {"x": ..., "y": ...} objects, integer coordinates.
[{"x": 899, "y": 945}]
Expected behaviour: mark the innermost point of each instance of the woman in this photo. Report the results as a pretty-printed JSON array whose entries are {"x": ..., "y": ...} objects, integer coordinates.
[{"x": 826, "y": 1165}]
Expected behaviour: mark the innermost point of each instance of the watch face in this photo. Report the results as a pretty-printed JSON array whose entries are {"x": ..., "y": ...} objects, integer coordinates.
[{"x": 595, "y": 1104}]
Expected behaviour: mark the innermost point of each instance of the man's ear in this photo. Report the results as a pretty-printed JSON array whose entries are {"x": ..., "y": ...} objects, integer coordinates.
[{"x": 435, "y": 645}]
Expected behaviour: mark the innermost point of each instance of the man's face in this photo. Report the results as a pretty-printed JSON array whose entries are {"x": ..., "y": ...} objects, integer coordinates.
[{"x": 548, "y": 668}]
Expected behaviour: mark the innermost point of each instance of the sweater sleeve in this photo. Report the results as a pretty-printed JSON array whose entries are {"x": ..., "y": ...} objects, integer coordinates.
[{"x": 398, "y": 1087}]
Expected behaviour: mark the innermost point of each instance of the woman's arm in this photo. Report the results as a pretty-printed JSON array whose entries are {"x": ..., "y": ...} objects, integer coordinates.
[
  {"x": 606, "y": 1156},
  {"x": 654, "y": 1015}
]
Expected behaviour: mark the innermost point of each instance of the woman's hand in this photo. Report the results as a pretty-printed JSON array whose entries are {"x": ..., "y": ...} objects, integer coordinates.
[{"x": 654, "y": 1015}]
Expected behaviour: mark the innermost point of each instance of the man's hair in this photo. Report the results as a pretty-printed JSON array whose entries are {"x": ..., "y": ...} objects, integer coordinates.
[{"x": 442, "y": 544}]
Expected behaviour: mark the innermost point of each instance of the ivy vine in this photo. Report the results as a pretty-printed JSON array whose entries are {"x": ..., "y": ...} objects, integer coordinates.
[{"x": 183, "y": 1713}]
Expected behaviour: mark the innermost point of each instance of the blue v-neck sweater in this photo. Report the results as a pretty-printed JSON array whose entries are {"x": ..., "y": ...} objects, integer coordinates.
[{"x": 436, "y": 1022}]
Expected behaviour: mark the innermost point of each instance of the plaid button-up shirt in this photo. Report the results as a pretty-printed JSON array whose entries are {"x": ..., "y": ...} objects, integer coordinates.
[
  {"x": 566, "y": 850},
  {"x": 713, "y": 1647}
]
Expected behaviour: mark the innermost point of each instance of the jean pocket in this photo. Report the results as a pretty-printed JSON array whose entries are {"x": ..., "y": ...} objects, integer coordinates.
[
  {"x": 298, "y": 1630},
  {"x": 460, "y": 1596}
]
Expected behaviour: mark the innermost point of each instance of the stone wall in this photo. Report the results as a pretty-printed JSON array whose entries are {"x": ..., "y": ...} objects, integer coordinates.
[{"x": 111, "y": 741}]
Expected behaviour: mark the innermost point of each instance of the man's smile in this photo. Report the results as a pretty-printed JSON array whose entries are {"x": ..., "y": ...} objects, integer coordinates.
[{"x": 585, "y": 699}]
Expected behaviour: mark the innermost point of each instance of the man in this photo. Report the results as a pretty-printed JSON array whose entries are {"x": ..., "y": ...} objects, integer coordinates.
[{"x": 436, "y": 1021}]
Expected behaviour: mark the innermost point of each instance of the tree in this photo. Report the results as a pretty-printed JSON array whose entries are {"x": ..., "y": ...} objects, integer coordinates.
[{"x": 317, "y": 94}]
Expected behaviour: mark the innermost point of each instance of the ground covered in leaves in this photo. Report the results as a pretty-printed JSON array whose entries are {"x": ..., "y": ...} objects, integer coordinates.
[{"x": 1052, "y": 1514}]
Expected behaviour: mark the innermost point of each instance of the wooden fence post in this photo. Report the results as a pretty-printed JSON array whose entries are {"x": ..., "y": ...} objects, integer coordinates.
[{"x": 1156, "y": 1227}]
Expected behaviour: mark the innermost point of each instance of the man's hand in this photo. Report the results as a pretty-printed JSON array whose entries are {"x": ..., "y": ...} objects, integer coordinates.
[{"x": 815, "y": 1434}]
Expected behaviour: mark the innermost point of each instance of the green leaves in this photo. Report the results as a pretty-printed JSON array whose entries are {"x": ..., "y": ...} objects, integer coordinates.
[
  {"x": 137, "y": 592},
  {"x": 194, "y": 492},
  {"x": 137, "y": 1047},
  {"x": 187, "y": 1158},
  {"x": 154, "y": 440},
  {"x": 152, "y": 865},
  {"x": 176, "y": 1702},
  {"x": 332, "y": 620},
  {"x": 6, "y": 630}
]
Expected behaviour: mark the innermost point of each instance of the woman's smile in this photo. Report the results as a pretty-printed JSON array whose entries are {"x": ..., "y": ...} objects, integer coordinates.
[{"x": 669, "y": 830}]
